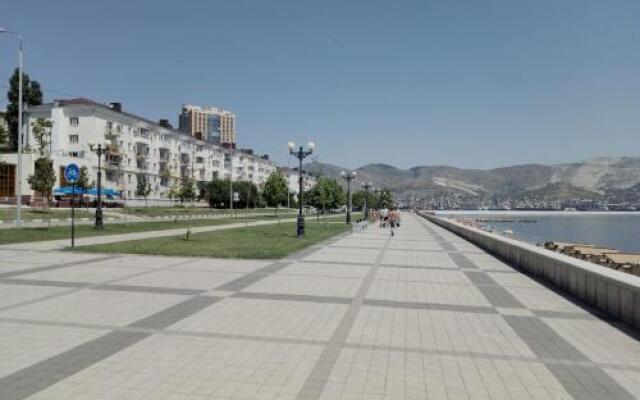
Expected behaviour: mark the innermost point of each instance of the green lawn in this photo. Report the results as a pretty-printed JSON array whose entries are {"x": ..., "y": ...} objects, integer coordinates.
[
  {"x": 174, "y": 211},
  {"x": 9, "y": 214},
  {"x": 259, "y": 242},
  {"x": 64, "y": 232}
]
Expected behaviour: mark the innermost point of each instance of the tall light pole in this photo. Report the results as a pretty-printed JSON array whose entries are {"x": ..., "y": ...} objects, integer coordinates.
[
  {"x": 20, "y": 127},
  {"x": 300, "y": 154},
  {"x": 99, "y": 149},
  {"x": 366, "y": 186},
  {"x": 348, "y": 176}
]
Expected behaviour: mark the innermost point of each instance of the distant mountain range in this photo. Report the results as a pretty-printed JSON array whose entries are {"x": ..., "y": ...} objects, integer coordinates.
[{"x": 604, "y": 178}]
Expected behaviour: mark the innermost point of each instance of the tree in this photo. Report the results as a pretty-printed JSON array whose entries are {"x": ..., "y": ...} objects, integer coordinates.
[
  {"x": 4, "y": 135},
  {"x": 83, "y": 180},
  {"x": 275, "y": 190},
  {"x": 218, "y": 193},
  {"x": 247, "y": 194},
  {"x": 187, "y": 190},
  {"x": 325, "y": 195},
  {"x": 31, "y": 96},
  {"x": 174, "y": 191},
  {"x": 385, "y": 199},
  {"x": 44, "y": 177},
  {"x": 358, "y": 199},
  {"x": 143, "y": 188}
]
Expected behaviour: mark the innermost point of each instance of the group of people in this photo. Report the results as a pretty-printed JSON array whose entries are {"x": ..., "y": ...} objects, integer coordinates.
[{"x": 390, "y": 217}]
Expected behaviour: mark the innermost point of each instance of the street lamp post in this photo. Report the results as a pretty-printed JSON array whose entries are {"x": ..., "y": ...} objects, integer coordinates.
[
  {"x": 366, "y": 186},
  {"x": 20, "y": 127},
  {"x": 99, "y": 149},
  {"x": 348, "y": 176},
  {"x": 300, "y": 154}
]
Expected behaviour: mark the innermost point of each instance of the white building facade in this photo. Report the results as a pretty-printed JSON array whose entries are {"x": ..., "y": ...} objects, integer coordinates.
[{"x": 137, "y": 147}]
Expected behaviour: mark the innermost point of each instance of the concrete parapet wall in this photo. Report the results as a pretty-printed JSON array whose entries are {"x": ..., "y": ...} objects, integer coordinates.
[{"x": 615, "y": 293}]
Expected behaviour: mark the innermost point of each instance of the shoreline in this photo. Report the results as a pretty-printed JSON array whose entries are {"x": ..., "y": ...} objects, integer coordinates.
[{"x": 533, "y": 212}]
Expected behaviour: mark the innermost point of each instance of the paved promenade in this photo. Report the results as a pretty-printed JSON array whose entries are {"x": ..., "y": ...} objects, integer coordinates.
[{"x": 421, "y": 315}]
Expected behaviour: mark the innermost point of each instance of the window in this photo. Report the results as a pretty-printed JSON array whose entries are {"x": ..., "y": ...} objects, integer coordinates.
[
  {"x": 74, "y": 154},
  {"x": 73, "y": 121},
  {"x": 74, "y": 139},
  {"x": 7, "y": 180}
]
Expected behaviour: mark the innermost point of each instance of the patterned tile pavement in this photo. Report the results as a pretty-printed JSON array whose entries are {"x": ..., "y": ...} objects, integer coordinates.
[{"x": 421, "y": 315}]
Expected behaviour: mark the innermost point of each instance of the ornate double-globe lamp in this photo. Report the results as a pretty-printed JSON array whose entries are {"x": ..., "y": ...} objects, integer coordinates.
[
  {"x": 100, "y": 149},
  {"x": 348, "y": 176},
  {"x": 300, "y": 153},
  {"x": 366, "y": 186}
]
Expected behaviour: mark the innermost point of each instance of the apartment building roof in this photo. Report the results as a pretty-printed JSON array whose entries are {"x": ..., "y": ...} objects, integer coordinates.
[{"x": 92, "y": 103}]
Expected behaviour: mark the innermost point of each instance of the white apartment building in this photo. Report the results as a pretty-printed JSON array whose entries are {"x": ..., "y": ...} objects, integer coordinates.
[{"x": 137, "y": 146}]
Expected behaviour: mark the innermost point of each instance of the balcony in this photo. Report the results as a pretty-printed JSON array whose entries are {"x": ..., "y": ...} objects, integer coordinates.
[
  {"x": 142, "y": 164},
  {"x": 111, "y": 132},
  {"x": 113, "y": 156},
  {"x": 165, "y": 155},
  {"x": 184, "y": 172},
  {"x": 165, "y": 170}
]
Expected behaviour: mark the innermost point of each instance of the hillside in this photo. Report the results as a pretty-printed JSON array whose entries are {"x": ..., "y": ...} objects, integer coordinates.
[{"x": 594, "y": 179}]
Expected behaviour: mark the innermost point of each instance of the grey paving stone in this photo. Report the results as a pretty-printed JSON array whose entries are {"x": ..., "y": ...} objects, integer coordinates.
[
  {"x": 293, "y": 297},
  {"x": 317, "y": 379},
  {"x": 37, "y": 377},
  {"x": 253, "y": 277},
  {"x": 462, "y": 261},
  {"x": 588, "y": 383},
  {"x": 41, "y": 282},
  {"x": 171, "y": 315},
  {"x": 430, "y": 306},
  {"x": 543, "y": 340},
  {"x": 498, "y": 296},
  {"x": 148, "y": 289},
  {"x": 56, "y": 266},
  {"x": 479, "y": 278},
  {"x": 563, "y": 314}
]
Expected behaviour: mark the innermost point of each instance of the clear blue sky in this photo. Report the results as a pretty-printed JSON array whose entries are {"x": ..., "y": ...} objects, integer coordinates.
[{"x": 470, "y": 84}]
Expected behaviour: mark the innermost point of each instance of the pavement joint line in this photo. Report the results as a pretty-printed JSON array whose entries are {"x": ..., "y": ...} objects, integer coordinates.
[
  {"x": 318, "y": 377},
  {"x": 284, "y": 340},
  {"x": 301, "y": 297},
  {"x": 307, "y": 251},
  {"x": 249, "y": 279},
  {"x": 59, "y": 367},
  {"x": 11, "y": 274},
  {"x": 91, "y": 286},
  {"x": 337, "y": 262},
  {"x": 410, "y": 305},
  {"x": 490, "y": 356},
  {"x": 293, "y": 297},
  {"x": 582, "y": 381}
]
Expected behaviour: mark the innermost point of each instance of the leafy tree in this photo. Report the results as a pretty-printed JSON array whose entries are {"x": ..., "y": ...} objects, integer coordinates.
[
  {"x": 247, "y": 194},
  {"x": 83, "y": 180},
  {"x": 187, "y": 190},
  {"x": 359, "y": 197},
  {"x": 174, "y": 192},
  {"x": 4, "y": 135},
  {"x": 143, "y": 188},
  {"x": 385, "y": 199},
  {"x": 31, "y": 96},
  {"x": 44, "y": 177},
  {"x": 326, "y": 194},
  {"x": 275, "y": 190},
  {"x": 218, "y": 193}
]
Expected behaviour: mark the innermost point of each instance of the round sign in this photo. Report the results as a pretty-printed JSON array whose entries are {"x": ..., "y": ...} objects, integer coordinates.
[{"x": 71, "y": 173}]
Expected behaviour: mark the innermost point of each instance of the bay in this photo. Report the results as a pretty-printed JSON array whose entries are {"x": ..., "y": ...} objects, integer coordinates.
[{"x": 618, "y": 230}]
